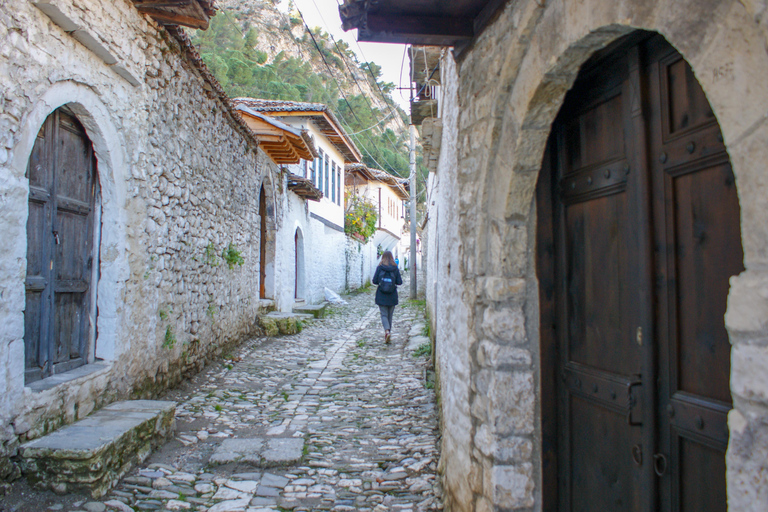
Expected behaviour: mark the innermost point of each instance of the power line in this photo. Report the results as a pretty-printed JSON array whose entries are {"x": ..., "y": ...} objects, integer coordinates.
[
  {"x": 322, "y": 56},
  {"x": 351, "y": 74}
]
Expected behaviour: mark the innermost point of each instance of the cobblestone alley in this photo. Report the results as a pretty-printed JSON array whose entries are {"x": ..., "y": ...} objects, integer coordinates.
[{"x": 328, "y": 419}]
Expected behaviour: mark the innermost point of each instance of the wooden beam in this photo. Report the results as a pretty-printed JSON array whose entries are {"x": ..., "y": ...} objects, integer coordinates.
[{"x": 169, "y": 18}]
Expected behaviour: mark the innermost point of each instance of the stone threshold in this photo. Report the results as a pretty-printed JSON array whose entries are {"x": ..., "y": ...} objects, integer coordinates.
[
  {"x": 94, "y": 453},
  {"x": 88, "y": 370}
]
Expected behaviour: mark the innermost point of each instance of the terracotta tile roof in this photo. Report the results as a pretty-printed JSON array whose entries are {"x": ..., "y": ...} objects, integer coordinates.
[
  {"x": 280, "y": 105},
  {"x": 398, "y": 184},
  {"x": 326, "y": 121}
]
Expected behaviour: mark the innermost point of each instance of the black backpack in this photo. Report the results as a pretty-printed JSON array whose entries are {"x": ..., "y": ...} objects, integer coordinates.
[{"x": 387, "y": 282}]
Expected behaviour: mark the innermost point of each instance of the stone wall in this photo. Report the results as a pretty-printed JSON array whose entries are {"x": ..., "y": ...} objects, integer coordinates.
[
  {"x": 179, "y": 181},
  {"x": 361, "y": 263},
  {"x": 498, "y": 103}
]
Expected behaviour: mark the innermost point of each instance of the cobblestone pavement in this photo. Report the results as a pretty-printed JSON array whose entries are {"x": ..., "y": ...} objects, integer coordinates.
[{"x": 328, "y": 419}]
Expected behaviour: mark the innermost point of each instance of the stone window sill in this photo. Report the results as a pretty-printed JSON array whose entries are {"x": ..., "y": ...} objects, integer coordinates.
[{"x": 88, "y": 370}]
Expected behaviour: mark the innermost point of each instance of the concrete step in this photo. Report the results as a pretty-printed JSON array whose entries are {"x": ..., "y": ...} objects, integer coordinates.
[
  {"x": 266, "y": 306},
  {"x": 316, "y": 310},
  {"x": 94, "y": 453},
  {"x": 277, "y": 323}
]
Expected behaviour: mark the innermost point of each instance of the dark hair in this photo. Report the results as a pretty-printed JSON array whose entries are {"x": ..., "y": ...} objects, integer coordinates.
[{"x": 387, "y": 259}]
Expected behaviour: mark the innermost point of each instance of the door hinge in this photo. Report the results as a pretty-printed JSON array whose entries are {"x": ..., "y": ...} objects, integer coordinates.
[{"x": 635, "y": 401}]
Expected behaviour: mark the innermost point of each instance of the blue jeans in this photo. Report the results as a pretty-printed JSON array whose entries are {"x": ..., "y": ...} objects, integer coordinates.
[{"x": 386, "y": 316}]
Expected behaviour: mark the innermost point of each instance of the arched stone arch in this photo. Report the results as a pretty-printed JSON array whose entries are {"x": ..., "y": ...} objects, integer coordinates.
[
  {"x": 508, "y": 99},
  {"x": 112, "y": 175},
  {"x": 300, "y": 272}
]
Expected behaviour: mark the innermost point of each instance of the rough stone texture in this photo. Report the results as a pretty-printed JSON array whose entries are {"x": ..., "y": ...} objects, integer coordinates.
[
  {"x": 498, "y": 102},
  {"x": 176, "y": 175},
  {"x": 95, "y": 452},
  {"x": 316, "y": 310},
  {"x": 361, "y": 408},
  {"x": 276, "y": 323}
]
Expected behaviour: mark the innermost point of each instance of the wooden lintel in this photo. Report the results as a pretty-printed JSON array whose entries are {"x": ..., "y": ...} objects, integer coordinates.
[{"x": 169, "y": 18}]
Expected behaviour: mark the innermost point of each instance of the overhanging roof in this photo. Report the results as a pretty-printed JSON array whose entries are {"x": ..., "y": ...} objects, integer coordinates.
[
  {"x": 398, "y": 185},
  {"x": 326, "y": 122},
  {"x": 188, "y": 13},
  {"x": 284, "y": 144},
  {"x": 428, "y": 22}
]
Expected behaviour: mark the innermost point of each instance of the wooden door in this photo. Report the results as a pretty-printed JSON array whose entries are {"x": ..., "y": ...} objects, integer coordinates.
[
  {"x": 263, "y": 244},
  {"x": 698, "y": 248},
  {"x": 644, "y": 234},
  {"x": 62, "y": 187}
]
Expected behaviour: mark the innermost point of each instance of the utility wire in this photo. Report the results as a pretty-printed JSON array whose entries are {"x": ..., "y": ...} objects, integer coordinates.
[
  {"x": 322, "y": 56},
  {"x": 351, "y": 73}
]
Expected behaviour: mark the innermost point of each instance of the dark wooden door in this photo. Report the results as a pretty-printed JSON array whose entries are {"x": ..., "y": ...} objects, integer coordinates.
[
  {"x": 62, "y": 187},
  {"x": 645, "y": 234},
  {"x": 698, "y": 248},
  {"x": 263, "y": 244}
]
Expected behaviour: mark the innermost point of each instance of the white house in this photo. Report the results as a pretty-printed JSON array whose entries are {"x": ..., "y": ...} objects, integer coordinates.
[
  {"x": 388, "y": 194},
  {"x": 310, "y": 244}
]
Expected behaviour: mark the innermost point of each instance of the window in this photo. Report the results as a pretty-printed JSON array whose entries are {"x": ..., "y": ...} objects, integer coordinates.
[
  {"x": 333, "y": 182},
  {"x": 314, "y": 172},
  {"x": 327, "y": 170},
  {"x": 338, "y": 186}
]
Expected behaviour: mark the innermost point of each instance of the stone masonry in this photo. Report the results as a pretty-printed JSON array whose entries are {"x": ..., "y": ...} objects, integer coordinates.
[
  {"x": 499, "y": 100},
  {"x": 179, "y": 178},
  {"x": 327, "y": 419}
]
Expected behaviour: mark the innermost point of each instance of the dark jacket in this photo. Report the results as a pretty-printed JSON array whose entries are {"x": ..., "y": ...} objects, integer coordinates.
[{"x": 386, "y": 299}]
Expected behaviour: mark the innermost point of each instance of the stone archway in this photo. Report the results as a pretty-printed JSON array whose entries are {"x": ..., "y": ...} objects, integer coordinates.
[
  {"x": 511, "y": 84},
  {"x": 110, "y": 209},
  {"x": 299, "y": 284}
]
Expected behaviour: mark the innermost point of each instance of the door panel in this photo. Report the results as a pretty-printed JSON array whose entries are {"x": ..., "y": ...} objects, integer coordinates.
[
  {"x": 642, "y": 192},
  {"x": 699, "y": 240},
  {"x": 62, "y": 177}
]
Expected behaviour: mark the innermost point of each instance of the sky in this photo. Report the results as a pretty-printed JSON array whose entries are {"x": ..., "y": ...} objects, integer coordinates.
[{"x": 391, "y": 57}]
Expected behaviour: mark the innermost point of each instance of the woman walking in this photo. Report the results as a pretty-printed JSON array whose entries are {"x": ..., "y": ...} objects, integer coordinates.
[{"x": 387, "y": 276}]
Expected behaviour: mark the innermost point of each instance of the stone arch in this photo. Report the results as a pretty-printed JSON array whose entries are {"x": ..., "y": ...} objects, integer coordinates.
[
  {"x": 532, "y": 89},
  {"x": 112, "y": 174},
  {"x": 267, "y": 241},
  {"x": 300, "y": 269}
]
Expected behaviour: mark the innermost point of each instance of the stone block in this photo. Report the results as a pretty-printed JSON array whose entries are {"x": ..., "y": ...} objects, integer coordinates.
[
  {"x": 316, "y": 310},
  {"x": 513, "y": 486},
  {"x": 259, "y": 451},
  {"x": 749, "y": 378},
  {"x": 747, "y": 463},
  {"x": 92, "y": 454},
  {"x": 276, "y": 323}
]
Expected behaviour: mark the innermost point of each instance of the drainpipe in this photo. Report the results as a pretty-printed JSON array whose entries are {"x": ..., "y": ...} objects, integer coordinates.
[{"x": 412, "y": 186}]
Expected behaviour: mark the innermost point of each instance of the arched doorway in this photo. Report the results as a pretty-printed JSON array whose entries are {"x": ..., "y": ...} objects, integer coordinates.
[
  {"x": 262, "y": 244},
  {"x": 63, "y": 187},
  {"x": 298, "y": 240},
  {"x": 637, "y": 201}
]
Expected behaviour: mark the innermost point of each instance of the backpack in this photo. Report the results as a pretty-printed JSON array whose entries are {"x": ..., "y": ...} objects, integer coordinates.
[{"x": 387, "y": 282}]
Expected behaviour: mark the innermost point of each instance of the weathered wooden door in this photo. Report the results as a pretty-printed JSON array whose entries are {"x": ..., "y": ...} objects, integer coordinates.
[
  {"x": 645, "y": 231},
  {"x": 62, "y": 188},
  {"x": 263, "y": 244}
]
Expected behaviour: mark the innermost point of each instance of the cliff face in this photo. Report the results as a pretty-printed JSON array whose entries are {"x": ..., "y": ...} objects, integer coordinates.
[{"x": 280, "y": 32}]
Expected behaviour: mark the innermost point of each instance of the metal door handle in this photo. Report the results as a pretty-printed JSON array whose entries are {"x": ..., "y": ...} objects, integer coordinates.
[
  {"x": 637, "y": 454},
  {"x": 659, "y": 464},
  {"x": 56, "y": 238}
]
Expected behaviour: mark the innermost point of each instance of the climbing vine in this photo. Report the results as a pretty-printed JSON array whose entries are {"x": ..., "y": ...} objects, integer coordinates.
[{"x": 360, "y": 218}]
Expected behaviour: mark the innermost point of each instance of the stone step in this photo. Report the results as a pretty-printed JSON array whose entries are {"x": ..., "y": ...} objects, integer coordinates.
[
  {"x": 316, "y": 310},
  {"x": 266, "y": 306},
  {"x": 94, "y": 453},
  {"x": 277, "y": 323}
]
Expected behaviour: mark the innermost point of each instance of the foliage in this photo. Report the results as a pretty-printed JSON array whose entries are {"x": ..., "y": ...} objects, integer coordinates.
[
  {"x": 232, "y": 256},
  {"x": 170, "y": 338},
  {"x": 243, "y": 71},
  {"x": 425, "y": 349},
  {"x": 360, "y": 218},
  {"x": 211, "y": 257}
]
